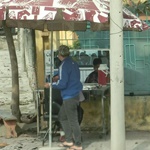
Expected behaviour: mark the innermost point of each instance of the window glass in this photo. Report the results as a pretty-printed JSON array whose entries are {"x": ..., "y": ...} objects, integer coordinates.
[{"x": 85, "y": 57}]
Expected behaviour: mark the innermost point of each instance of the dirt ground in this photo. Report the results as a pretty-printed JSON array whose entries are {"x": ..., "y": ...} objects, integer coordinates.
[{"x": 29, "y": 140}]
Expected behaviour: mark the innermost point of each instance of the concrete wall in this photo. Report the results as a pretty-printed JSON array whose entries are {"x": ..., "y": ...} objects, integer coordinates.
[{"x": 137, "y": 113}]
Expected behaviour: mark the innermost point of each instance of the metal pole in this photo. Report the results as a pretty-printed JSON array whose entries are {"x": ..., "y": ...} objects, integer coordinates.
[
  {"x": 50, "y": 96},
  {"x": 117, "y": 76},
  {"x": 103, "y": 113}
]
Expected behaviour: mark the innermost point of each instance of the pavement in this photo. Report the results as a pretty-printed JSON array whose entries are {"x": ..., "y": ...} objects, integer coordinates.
[{"x": 29, "y": 140}]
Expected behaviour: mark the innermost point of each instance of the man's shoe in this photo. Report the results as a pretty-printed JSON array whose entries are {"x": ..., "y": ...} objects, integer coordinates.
[
  {"x": 74, "y": 147},
  {"x": 66, "y": 144}
]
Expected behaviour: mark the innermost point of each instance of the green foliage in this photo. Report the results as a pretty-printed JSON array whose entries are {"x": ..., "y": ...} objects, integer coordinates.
[
  {"x": 76, "y": 45},
  {"x": 139, "y": 8}
]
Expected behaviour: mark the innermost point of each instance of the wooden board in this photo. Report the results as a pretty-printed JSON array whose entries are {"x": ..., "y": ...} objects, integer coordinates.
[{"x": 7, "y": 115}]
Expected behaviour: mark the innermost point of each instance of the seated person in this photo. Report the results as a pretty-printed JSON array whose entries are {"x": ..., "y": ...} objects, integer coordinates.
[
  {"x": 56, "y": 102},
  {"x": 93, "y": 76}
]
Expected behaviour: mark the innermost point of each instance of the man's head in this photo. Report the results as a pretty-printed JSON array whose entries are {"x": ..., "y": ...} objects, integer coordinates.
[
  {"x": 63, "y": 50},
  {"x": 96, "y": 63}
]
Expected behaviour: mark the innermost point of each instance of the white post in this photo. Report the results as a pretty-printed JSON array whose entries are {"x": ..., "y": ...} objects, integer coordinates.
[
  {"x": 117, "y": 76},
  {"x": 50, "y": 95}
]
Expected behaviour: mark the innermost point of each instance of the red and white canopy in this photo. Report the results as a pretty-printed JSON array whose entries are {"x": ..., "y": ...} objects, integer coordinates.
[{"x": 63, "y": 14}]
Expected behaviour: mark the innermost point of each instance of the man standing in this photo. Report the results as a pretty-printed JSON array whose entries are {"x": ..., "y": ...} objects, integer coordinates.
[{"x": 70, "y": 86}]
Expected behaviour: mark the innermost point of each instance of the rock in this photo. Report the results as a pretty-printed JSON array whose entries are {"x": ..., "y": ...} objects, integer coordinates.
[{"x": 3, "y": 145}]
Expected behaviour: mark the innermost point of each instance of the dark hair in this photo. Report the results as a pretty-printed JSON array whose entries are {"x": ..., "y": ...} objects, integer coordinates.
[
  {"x": 63, "y": 50},
  {"x": 97, "y": 61}
]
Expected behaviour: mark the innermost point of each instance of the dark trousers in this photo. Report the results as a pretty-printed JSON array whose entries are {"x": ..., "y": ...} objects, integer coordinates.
[{"x": 68, "y": 117}]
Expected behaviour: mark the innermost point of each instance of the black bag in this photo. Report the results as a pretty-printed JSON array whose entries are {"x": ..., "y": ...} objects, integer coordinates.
[{"x": 80, "y": 113}]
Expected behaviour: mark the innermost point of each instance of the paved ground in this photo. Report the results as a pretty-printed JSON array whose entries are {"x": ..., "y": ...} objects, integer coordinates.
[{"x": 28, "y": 140}]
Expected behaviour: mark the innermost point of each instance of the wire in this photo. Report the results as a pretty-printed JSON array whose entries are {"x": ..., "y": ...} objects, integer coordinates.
[{"x": 117, "y": 26}]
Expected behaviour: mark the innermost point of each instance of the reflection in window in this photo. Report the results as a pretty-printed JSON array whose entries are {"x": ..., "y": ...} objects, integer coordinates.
[{"x": 85, "y": 57}]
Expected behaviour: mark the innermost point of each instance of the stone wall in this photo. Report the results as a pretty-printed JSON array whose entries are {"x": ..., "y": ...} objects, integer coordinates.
[
  {"x": 137, "y": 113},
  {"x": 93, "y": 114},
  {"x": 26, "y": 94}
]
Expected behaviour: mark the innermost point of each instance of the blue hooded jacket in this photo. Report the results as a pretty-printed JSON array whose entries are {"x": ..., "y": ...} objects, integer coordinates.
[{"x": 69, "y": 79}]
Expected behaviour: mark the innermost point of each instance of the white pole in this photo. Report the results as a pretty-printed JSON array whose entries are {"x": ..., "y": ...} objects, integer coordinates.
[
  {"x": 117, "y": 76},
  {"x": 50, "y": 95}
]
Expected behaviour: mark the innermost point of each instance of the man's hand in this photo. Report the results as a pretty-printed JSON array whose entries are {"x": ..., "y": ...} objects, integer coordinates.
[
  {"x": 55, "y": 78},
  {"x": 47, "y": 85}
]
